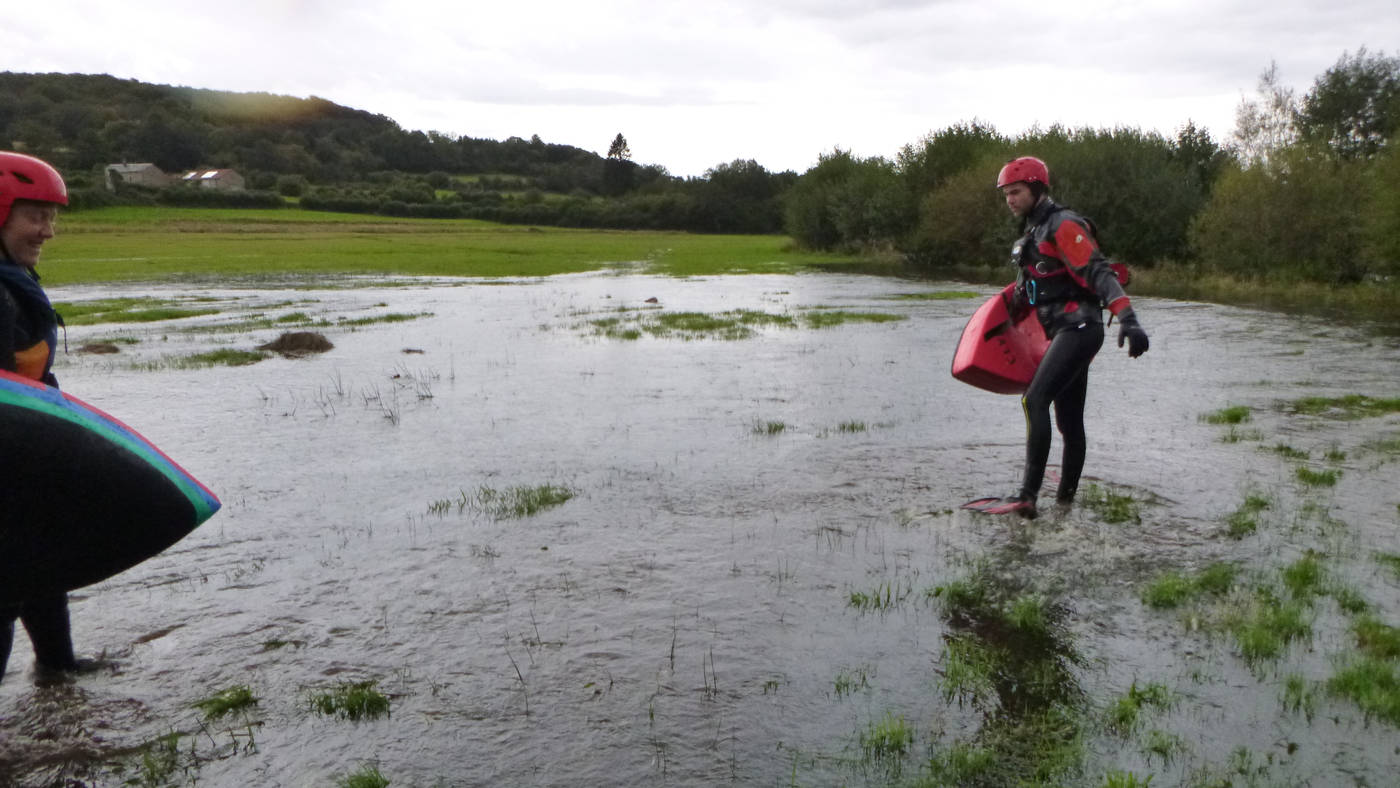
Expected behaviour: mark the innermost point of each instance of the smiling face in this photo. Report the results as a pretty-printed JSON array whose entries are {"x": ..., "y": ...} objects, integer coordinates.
[
  {"x": 1019, "y": 198},
  {"x": 29, "y": 226}
]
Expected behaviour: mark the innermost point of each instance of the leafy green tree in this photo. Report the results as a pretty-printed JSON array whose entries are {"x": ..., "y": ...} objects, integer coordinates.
[
  {"x": 948, "y": 152},
  {"x": 618, "y": 149},
  {"x": 1296, "y": 215},
  {"x": 847, "y": 203},
  {"x": 964, "y": 222},
  {"x": 1268, "y": 122},
  {"x": 1381, "y": 215},
  {"x": 1354, "y": 108}
]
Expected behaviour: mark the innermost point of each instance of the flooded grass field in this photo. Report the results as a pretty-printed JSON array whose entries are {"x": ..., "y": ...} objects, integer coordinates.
[{"x": 612, "y": 529}]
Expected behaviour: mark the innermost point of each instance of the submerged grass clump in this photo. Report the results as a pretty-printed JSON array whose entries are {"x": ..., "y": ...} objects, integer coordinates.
[
  {"x": 1173, "y": 589},
  {"x": 891, "y": 738},
  {"x": 732, "y": 325},
  {"x": 352, "y": 701},
  {"x": 220, "y": 704},
  {"x": 518, "y": 502},
  {"x": 1111, "y": 506},
  {"x": 127, "y": 310},
  {"x": 366, "y": 777},
  {"x": 769, "y": 427},
  {"x": 1351, "y": 406},
  {"x": 849, "y": 680},
  {"x": 1245, "y": 520},
  {"x": 938, "y": 295},
  {"x": 1124, "y": 714},
  {"x": 822, "y": 318},
  {"x": 1372, "y": 684},
  {"x": 1233, "y": 414},
  {"x": 1323, "y": 478},
  {"x": 224, "y": 357}
]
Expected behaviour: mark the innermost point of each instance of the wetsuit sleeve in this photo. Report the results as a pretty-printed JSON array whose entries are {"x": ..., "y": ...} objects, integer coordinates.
[{"x": 1080, "y": 253}]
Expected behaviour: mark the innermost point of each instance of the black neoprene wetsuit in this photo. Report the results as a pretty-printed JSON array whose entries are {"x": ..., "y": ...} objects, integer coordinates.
[
  {"x": 1066, "y": 279},
  {"x": 28, "y": 332}
]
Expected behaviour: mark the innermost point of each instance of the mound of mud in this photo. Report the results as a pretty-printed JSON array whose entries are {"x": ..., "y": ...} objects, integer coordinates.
[
  {"x": 295, "y": 344},
  {"x": 99, "y": 348}
]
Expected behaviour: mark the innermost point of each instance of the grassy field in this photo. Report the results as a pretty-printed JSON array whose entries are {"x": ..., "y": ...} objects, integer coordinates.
[{"x": 133, "y": 244}]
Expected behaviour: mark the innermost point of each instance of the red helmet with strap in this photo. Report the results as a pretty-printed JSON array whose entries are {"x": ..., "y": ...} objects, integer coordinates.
[
  {"x": 1027, "y": 168},
  {"x": 27, "y": 178}
]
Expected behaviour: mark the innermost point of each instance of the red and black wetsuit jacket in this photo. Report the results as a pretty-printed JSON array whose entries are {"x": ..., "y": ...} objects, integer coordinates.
[
  {"x": 28, "y": 324},
  {"x": 1062, "y": 273}
]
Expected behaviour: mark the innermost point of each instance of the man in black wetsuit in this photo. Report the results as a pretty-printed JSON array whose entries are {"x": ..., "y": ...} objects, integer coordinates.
[
  {"x": 30, "y": 193},
  {"x": 1064, "y": 277}
]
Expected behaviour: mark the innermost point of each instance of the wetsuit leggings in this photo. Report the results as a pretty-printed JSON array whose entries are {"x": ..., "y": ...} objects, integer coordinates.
[
  {"x": 46, "y": 620},
  {"x": 1061, "y": 379}
]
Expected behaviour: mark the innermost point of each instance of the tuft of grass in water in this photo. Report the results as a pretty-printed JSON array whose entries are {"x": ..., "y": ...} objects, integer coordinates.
[
  {"x": 159, "y": 762},
  {"x": 1111, "y": 506},
  {"x": 889, "y": 739},
  {"x": 1299, "y": 696},
  {"x": 127, "y": 310},
  {"x": 1349, "y": 407},
  {"x": 969, "y": 669},
  {"x": 1376, "y": 639},
  {"x": 938, "y": 295},
  {"x": 884, "y": 597},
  {"x": 963, "y": 764},
  {"x": 366, "y": 777},
  {"x": 1266, "y": 626},
  {"x": 1304, "y": 578},
  {"x": 352, "y": 701},
  {"x": 769, "y": 427},
  {"x": 1124, "y": 714},
  {"x": 516, "y": 502},
  {"x": 226, "y": 702},
  {"x": 732, "y": 325},
  {"x": 392, "y": 317},
  {"x": 1172, "y": 589},
  {"x": 1244, "y": 520},
  {"x": 1372, "y": 684},
  {"x": 1163, "y": 745},
  {"x": 850, "y": 680},
  {"x": 1334, "y": 455},
  {"x": 851, "y": 426},
  {"x": 1125, "y": 780},
  {"x": 824, "y": 318},
  {"x": 1232, "y": 414},
  {"x": 1290, "y": 453},
  {"x": 1312, "y": 478},
  {"x": 225, "y": 357},
  {"x": 1391, "y": 560},
  {"x": 1350, "y": 600}
]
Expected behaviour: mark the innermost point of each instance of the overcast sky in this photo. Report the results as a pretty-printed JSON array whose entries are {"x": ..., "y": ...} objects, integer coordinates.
[{"x": 696, "y": 84}]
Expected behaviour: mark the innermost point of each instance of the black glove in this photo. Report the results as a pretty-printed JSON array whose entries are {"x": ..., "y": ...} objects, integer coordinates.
[{"x": 1129, "y": 329}]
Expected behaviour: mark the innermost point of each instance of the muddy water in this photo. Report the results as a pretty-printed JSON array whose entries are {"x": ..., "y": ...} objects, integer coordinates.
[{"x": 683, "y": 620}]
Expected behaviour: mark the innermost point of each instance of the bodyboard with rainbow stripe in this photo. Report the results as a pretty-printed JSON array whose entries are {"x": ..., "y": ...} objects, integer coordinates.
[{"x": 82, "y": 495}]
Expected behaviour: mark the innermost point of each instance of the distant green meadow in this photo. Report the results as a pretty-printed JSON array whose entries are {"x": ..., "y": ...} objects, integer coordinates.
[{"x": 161, "y": 243}]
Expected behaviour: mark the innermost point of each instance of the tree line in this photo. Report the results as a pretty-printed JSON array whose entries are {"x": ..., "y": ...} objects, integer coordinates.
[{"x": 1306, "y": 187}]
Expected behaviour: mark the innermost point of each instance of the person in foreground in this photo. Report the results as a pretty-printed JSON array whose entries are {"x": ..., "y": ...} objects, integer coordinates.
[
  {"x": 30, "y": 193},
  {"x": 1064, "y": 277}
]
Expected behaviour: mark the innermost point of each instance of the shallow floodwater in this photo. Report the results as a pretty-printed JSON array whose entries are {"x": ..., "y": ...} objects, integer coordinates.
[{"x": 686, "y": 619}]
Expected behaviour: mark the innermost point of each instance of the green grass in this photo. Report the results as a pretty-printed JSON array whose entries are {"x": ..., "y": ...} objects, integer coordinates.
[
  {"x": 1372, "y": 684},
  {"x": 1233, "y": 414},
  {"x": 127, "y": 310},
  {"x": 1172, "y": 589},
  {"x": 1323, "y": 478},
  {"x": 366, "y": 777},
  {"x": 220, "y": 704},
  {"x": 1290, "y": 453},
  {"x": 1245, "y": 520},
  {"x": 939, "y": 295},
  {"x": 150, "y": 243},
  {"x": 514, "y": 503},
  {"x": 821, "y": 318},
  {"x": 352, "y": 700},
  {"x": 850, "y": 680},
  {"x": 1376, "y": 639},
  {"x": 1391, "y": 560},
  {"x": 1124, "y": 714},
  {"x": 768, "y": 428},
  {"x": 890, "y": 738},
  {"x": 1112, "y": 507},
  {"x": 1349, "y": 407},
  {"x": 224, "y": 357}
]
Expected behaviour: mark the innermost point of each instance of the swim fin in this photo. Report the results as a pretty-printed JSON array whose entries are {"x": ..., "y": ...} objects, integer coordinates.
[{"x": 1015, "y": 505}]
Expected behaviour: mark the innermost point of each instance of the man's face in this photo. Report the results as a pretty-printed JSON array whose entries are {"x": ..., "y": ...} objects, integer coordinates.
[
  {"x": 1019, "y": 198},
  {"x": 29, "y": 226}
]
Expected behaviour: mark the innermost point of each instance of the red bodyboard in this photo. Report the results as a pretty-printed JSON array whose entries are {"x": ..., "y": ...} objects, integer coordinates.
[{"x": 997, "y": 353}]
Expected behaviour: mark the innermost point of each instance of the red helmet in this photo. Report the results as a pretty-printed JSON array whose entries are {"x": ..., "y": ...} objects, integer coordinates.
[
  {"x": 27, "y": 178},
  {"x": 1027, "y": 168}
]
